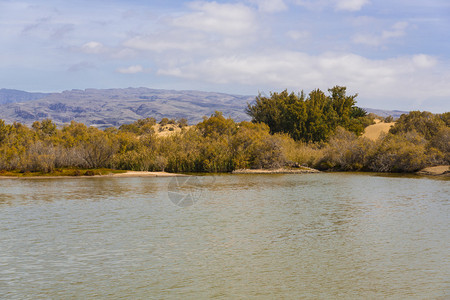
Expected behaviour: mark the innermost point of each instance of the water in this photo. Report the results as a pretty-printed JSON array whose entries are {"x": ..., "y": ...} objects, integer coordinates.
[{"x": 312, "y": 236}]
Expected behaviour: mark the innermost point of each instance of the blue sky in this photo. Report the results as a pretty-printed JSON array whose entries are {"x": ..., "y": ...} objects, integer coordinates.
[{"x": 394, "y": 53}]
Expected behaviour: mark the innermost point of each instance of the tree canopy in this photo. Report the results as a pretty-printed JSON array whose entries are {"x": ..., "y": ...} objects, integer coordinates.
[{"x": 310, "y": 119}]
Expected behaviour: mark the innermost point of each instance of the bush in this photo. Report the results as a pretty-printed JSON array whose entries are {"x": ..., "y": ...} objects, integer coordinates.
[
  {"x": 182, "y": 122},
  {"x": 389, "y": 119},
  {"x": 268, "y": 154},
  {"x": 405, "y": 152},
  {"x": 424, "y": 123},
  {"x": 345, "y": 151},
  {"x": 164, "y": 121},
  {"x": 441, "y": 142}
]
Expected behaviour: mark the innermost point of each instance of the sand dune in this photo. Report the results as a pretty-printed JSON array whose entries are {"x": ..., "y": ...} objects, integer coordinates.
[{"x": 374, "y": 131}]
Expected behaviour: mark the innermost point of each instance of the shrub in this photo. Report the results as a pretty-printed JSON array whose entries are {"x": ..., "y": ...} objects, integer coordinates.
[
  {"x": 182, "y": 122},
  {"x": 441, "y": 142},
  {"x": 164, "y": 121},
  {"x": 268, "y": 154},
  {"x": 389, "y": 119},
  {"x": 424, "y": 123},
  {"x": 345, "y": 151},
  {"x": 405, "y": 152}
]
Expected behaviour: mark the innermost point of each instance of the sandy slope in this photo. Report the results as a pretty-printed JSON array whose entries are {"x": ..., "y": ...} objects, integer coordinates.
[{"x": 374, "y": 131}]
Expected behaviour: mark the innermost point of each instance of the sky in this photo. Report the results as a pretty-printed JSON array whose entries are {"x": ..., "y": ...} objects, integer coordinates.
[{"x": 395, "y": 54}]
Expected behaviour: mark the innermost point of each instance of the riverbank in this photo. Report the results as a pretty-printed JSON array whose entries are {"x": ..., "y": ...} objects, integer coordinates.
[
  {"x": 112, "y": 174},
  {"x": 429, "y": 171}
]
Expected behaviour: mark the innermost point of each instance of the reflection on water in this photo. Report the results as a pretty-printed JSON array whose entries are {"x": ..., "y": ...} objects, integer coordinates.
[{"x": 249, "y": 236}]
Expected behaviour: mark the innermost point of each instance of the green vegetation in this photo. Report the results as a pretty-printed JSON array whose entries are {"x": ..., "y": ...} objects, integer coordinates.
[
  {"x": 311, "y": 119},
  {"x": 286, "y": 131}
]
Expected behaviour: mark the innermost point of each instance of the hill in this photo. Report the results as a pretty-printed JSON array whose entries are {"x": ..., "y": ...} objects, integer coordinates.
[
  {"x": 386, "y": 113},
  {"x": 112, "y": 107},
  {"x": 11, "y": 96}
]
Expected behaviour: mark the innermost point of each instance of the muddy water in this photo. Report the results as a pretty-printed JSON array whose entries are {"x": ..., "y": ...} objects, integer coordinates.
[{"x": 312, "y": 236}]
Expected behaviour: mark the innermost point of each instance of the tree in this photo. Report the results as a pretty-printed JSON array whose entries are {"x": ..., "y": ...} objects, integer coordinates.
[{"x": 312, "y": 119}]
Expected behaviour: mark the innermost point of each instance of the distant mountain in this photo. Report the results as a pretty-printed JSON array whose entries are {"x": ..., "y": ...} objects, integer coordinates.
[
  {"x": 386, "y": 113},
  {"x": 11, "y": 96},
  {"x": 113, "y": 107}
]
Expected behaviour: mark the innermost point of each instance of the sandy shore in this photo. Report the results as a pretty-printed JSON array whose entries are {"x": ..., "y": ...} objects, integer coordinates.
[
  {"x": 435, "y": 171},
  {"x": 304, "y": 170},
  {"x": 127, "y": 174}
]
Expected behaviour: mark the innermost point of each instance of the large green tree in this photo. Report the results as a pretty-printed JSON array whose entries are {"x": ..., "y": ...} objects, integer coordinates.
[{"x": 308, "y": 119}]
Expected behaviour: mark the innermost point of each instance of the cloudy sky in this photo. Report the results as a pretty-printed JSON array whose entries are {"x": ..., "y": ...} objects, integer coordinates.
[{"x": 394, "y": 53}]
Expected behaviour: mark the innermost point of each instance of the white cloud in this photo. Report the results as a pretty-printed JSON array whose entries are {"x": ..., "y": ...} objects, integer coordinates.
[
  {"x": 396, "y": 31},
  {"x": 93, "y": 47},
  {"x": 225, "y": 19},
  {"x": 208, "y": 28},
  {"x": 340, "y": 5},
  {"x": 131, "y": 69},
  {"x": 165, "y": 42},
  {"x": 351, "y": 5},
  {"x": 270, "y": 6},
  {"x": 366, "y": 39},
  {"x": 424, "y": 61}
]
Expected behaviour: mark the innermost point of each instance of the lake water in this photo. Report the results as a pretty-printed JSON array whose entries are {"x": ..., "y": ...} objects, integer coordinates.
[{"x": 309, "y": 236}]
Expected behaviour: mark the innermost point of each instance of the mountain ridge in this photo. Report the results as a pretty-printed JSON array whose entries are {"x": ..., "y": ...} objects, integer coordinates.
[
  {"x": 13, "y": 96},
  {"x": 116, "y": 106}
]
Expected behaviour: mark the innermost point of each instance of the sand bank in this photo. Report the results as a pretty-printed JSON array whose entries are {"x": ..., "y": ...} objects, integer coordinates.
[{"x": 435, "y": 171}]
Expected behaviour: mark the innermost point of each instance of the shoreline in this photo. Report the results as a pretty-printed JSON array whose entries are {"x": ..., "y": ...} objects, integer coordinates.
[
  {"x": 128, "y": 174},
  {"x": 440, "y": 171}
]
